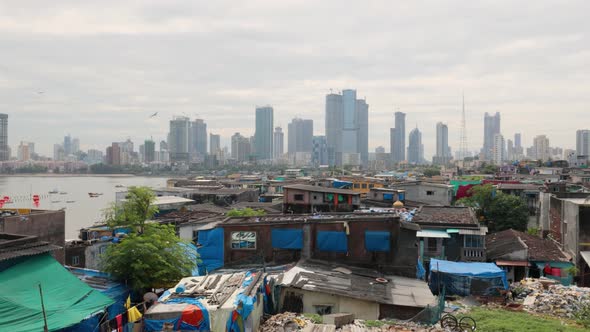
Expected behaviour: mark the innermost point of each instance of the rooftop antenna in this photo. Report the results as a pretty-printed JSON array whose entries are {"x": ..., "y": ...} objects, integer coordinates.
[{"x": 463, "y": 134}]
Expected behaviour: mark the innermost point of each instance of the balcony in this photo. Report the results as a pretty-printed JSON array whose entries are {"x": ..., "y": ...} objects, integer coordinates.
[{"x": 473, "y": 254}]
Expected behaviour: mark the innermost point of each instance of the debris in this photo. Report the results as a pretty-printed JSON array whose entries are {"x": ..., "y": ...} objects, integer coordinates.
[{"x": 556, "y": 300}]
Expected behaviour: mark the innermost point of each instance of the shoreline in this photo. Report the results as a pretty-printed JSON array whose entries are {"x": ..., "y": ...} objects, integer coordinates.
[{"x": 41, "y": 175}]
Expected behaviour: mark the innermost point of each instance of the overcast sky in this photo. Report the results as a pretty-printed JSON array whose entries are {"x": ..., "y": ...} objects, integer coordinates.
[{"x": 105, "y": 66}]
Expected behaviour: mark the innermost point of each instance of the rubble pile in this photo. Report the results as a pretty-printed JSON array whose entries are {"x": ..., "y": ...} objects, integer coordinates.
[
  {"x": 556, "y": 300},
  {"x": 285, "y": 322},
  {"x": 291, "y": 322}
]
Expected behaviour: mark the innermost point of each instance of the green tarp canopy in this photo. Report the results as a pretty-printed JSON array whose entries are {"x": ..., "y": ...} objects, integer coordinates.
[
  {"x": 457, "y": 183},
  {"x": 67, "y": 299}
]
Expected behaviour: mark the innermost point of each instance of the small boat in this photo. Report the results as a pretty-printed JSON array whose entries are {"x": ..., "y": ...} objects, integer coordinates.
[
  {"x": 54, "y": 191},
  {"x": 63, "y": 193},
  {"x": 94, "y": 194},
  {"x": 119, "y": 186},
  {"x": 70, "y": 201},
  {"x": 55, "y": 201}
]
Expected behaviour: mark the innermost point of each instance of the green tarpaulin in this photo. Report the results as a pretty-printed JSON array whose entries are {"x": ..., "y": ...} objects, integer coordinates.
[
  {"x": 457, "y": 183},
  {"x": 67, "y": 299}
]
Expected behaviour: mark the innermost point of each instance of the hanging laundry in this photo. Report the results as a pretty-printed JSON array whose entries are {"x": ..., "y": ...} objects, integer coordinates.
[{"x": 133, "y": 315}]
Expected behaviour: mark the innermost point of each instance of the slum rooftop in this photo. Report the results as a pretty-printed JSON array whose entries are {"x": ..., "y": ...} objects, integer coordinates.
[
  {"x": 508, "y": 241},
  {"x": 429, "y": 214},
  {"x": 357, "y": 283},
  {"x": 16, "y": 245},
  {"x": 320, "y": 189}
]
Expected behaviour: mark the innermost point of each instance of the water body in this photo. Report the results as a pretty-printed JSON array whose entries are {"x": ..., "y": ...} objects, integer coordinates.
[{"x": 81, "y": 210}]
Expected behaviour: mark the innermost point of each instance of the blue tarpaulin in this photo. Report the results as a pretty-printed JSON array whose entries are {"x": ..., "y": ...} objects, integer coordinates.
[
  {"x": 332, "y": 241},
  {"x": 210, "y": 249},
  {"x": 377, "y": 241},
  {"x": 287, "y": 238},
  {"x": 460, "y": 278},
  {"x": 191, "y": 251}
]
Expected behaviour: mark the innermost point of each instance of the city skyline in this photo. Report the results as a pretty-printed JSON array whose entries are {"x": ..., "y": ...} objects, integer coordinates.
[{"x": 250, "y": 55}]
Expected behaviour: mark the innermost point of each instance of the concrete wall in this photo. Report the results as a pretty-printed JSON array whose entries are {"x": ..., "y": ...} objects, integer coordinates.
[
  {"x": 92, "y": 254},
  {"x": 543, "y": 216},
  {"x": 419, "y": 193},
  {"x": 46, "y": 225},
  {"x": 361, "y": 309},
  {"x": 570, "y": 228},
  {"x": 403, "y": 252}
]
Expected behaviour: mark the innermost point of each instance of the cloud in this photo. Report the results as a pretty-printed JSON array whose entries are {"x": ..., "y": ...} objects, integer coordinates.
[{"x": 104, "y": 66}]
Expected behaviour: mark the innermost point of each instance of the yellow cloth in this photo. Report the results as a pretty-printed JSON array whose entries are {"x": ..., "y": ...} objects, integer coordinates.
[
  {"x": 133, "y": 315},
  {"x": 128, "y": 302}
]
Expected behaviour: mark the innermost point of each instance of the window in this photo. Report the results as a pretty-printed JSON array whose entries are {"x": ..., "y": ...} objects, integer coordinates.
[
  {"x": 371, "y": 186},
  {"x": 430, "y": 193},
  {"x": 356, "y": 186},
  {"x": 75, "y": 260},
  {"x": 315, "y": 197},
  {"x": 473, "y": 241},
  {"x": 432, "y": 244},
  {"x": 323, "y": 309},
  {"x": 364, "y": 186},
  {"x": 298, "y": 197},
  {"x": 243, "y": 240},
  {"x": 195, "y": 236}
]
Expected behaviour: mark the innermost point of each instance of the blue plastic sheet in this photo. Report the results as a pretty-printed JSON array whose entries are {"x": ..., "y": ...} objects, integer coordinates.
[
  {"x": 377, "y": 241},
  {"x": 287, "y": 238},
  {"x": 153, "y": 325},
  {"x": 332, "y": 241},
  {"x": 457, "y": 277},
  {"x": 205, "y": 326},
  {"x": 210, "y": 250},
  {"x": 420, "y": 271}
]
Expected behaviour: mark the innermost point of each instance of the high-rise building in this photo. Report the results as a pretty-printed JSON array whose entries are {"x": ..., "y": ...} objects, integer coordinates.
[
  {"x": 178, "y": 139},
  {"x": 198, "y": 139},
  {"x": 398, "y": 138},
  {"x": 4, "y": 149},
  {"x": 334, "y": 125},
  {"x": 67, "y": 145},
  {"x": 149, "y": 154},
  {"x": 443, "y": 153},
  {"x": 58, "y": 152},
  {"x": 518, "y": 151},
  {"x": 300, "y": 132},
  {"x": 510, "y": 150},
  {"x": 347, "y": 128},
  {"x": 263, "y": 136},
  {"x": 278, "y": 143},
  {"x": 583, "y": 142},
  {"x": 214, "y": 144},
  {"x": 94, "y": 156},
  {"x": 491, "y": 127},
  {"x": 75, "y": 145},
  {"x": 115, "y": 154},
  {"x": 517, "y": 140},
  {"x": 320, "y": 151},
  {"x": 23, "y": 151},
  {"x": 240, "y": 147},
  {"x": 541, "y": 150},
  {"x": 362, "y": 116},
  {"x": 379, "y": 149},
  {"x": 415, "y": 147},
  {"x": 498, "y": 149}
]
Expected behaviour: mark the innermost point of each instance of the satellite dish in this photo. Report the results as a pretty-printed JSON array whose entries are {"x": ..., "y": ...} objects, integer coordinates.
[{"x": 150, "y": 297}]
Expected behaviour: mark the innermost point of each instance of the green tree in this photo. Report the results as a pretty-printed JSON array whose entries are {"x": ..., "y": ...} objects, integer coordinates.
[
  {"x": 134, "y": 211},
  {"x": 247, "y": 212},
  {"x": 508, "y": 211},
  {"x": 154, "y": 259},
  {"x": 500, "y": 211},
  {"x": 431, "y": 171}
]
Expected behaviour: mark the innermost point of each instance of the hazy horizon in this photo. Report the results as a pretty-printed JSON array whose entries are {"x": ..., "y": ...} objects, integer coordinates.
[{"x": 98, "y": 70}]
